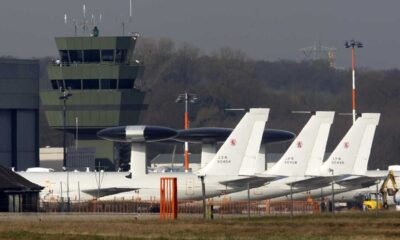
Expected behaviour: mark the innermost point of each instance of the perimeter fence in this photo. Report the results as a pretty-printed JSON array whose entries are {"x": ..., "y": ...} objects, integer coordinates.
[{"x": 221, "y": 207}]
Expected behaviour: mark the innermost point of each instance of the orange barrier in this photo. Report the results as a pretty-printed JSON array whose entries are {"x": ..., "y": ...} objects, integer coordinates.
[{"x": 168, "y": 198}]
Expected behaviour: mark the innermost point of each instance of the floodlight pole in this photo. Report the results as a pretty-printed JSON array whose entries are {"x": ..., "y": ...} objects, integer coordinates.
[
  {"x": 186, "y": 127},
  {"x": 186, "y": 98},
  {"x": 353, "y": 76},
  {"x": 65, "y": 95},
  {"x": 64, "y": 134},
  {"x": 353, "y": 44}
]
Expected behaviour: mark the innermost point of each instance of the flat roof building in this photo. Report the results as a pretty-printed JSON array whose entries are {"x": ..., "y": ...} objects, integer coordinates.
[{"x": 19, "y": 106}]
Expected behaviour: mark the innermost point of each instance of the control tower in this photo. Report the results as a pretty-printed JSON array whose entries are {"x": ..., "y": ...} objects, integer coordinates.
[{"x": 100, "y": 73}]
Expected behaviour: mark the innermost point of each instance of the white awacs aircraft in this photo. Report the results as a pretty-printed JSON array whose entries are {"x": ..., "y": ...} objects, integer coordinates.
[
  {"x": 242, "y": 144},
  {"x": 346, "y": 165},
  {"x": 302, "y": 162},
  {"x": 309, "y": 145}
]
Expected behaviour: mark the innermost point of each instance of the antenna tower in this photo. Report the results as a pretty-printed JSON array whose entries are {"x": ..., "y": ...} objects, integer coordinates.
[
  {"x": 319, "y": 52},
  {"x": 124, "y": 20}
]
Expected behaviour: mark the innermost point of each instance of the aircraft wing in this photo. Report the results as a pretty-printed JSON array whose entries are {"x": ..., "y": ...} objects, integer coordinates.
[
  {"x": 254, "y": 181},
  {"x": 102, "y": 192},
  {"x": 316, "y": 182},
  {"x": 359, "y": 182}
]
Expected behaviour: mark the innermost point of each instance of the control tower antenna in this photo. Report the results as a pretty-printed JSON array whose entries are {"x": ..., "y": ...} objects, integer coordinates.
[
  {"x": 74, "y": 23},
  {"x": 124, "y": 21},
  {"x": 130, "y": 10},
  {"x": 84, "y": 24}
]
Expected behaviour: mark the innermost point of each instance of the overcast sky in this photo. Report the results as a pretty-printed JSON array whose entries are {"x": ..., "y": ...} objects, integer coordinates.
[{"x": 269, "y": 30}]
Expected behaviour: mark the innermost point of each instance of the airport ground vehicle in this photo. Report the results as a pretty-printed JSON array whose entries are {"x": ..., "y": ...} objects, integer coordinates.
[
  {"x": 380, "y": 199},
  {"x": 370, "y": 201}
]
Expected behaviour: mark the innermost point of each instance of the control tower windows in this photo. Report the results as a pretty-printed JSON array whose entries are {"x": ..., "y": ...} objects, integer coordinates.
[
  {"x": 126, "y": 83},
  {"x": 120, "y": 56},
  {"x": 91, "y": 56},
  {"x": 108, "y": 84},
  {"x": 73, "y": 84},
  {"x": 90, "y": 83},
  {"x": 107, "y": 55},
  {"x": 76, "y": 56},
  {"x": 64, "y": 56},
  {"x": 57, "y": 84},
  {"x": 54, "y": 84},
  {"x": 60, "y": 84}
]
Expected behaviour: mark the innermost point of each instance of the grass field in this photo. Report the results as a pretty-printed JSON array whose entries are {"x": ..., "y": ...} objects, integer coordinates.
[{"x": 115, "y": 226}]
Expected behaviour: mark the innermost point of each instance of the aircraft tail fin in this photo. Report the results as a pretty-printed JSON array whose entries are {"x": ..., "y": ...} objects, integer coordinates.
[
  {"x": 352, "y": 154},
  {"x": 243, "y": 142},
  {"x": 250, "y": 163},
  {"x": 307, "y": 149}
]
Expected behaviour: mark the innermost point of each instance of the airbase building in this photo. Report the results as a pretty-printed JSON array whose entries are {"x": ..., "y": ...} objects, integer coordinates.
[{"x": 19, "y": 107}]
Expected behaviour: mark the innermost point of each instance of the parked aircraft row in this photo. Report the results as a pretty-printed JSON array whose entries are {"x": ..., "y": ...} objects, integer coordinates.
[{"x": 235, "y": 167}]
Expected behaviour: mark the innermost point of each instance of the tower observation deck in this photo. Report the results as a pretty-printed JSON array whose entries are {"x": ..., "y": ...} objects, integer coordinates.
[{"x": 100, "y": 73}]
